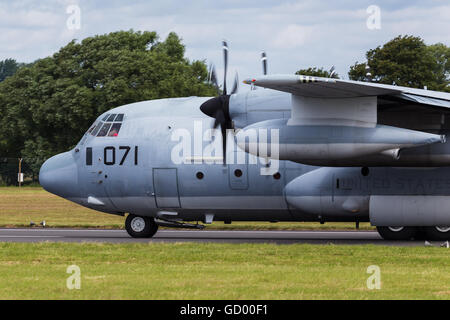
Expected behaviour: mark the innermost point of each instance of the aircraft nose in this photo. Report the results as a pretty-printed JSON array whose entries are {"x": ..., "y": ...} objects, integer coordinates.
[{"x": 59, "y": 175}]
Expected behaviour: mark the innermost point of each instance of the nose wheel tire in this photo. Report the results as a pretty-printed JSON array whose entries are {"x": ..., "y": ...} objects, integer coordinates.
[
  {"x": 397, "y": 233},
  {"x": 437, "y": 233},
  {"x": 140, "y": 227}
]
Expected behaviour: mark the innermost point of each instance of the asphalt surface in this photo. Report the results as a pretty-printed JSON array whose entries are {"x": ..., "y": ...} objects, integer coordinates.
[{"x": 278, "y": 237}]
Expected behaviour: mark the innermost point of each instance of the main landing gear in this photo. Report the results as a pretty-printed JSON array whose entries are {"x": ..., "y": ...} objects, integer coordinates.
[
  {"x": 408, "y": 233},
  {"x": 140, "y": 227}
]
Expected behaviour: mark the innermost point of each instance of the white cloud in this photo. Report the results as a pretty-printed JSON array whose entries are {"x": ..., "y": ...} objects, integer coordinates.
[{"x": 295, "y": 34}]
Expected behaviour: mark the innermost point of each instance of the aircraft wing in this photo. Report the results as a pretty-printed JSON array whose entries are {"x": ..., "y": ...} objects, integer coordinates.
[
  {"x": 317, "y": 87},
  {"x": 322, "y": 109}
]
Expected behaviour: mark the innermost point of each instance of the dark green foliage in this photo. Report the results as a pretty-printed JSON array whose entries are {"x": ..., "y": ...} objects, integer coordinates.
[
  {"x": 407, "y": 61},
  {"x": 8, "y": 68},
  {"x": 47, "y": 106}
]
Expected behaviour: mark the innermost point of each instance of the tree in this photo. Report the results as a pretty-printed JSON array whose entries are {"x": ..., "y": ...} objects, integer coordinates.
[
  {"x": 406, "y": 61},
  {"x": 47, "y": 106},
  {"x": 8, "y": 68},
  {"x": 441, "y": 71},
  {"x": 317, "y": 72}
]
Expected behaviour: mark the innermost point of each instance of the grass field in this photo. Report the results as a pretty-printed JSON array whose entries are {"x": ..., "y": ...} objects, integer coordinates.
[
  {"x": 221, "y": 271},
  {"x": 203, "y": 270},
  {"x": 19, "y": 206}
]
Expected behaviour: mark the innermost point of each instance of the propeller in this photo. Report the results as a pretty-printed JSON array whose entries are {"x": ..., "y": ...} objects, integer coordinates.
[
  {"x": 225, "y": 65},
  {"x": 264, "y": 62},
  {"x": 212, "y": 77},
  {"x": 219, "y": 107},
  {"x": 235, "y": 84},
  {"x": 332, "y": 72}
]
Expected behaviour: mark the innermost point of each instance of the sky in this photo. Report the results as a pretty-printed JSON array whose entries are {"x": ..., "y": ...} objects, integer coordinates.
[{"x": 295, "y": 34}]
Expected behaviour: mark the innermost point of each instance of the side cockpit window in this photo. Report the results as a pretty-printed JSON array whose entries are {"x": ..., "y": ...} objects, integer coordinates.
[
  {"x": 109, "y": 126},
  {"x": 97, "y": 129}
]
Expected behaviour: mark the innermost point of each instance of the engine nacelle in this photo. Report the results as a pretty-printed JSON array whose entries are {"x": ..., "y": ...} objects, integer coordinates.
[
  {"x": 329, "y": 145},
  {"x": 386, "y": 196},
  {"x": 409, "y": 210},
  {"x": 314, "y": 193}
]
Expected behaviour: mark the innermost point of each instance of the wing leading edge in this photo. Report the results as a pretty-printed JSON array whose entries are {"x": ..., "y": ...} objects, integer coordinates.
[{"x": 317, "y": 87}]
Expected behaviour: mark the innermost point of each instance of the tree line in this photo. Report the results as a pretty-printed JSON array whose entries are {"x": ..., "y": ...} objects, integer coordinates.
[{"x": 46, "y": 106}]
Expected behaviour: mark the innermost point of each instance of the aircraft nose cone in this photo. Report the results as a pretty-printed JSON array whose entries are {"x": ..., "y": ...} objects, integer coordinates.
[{"x": 59, "y": 175}]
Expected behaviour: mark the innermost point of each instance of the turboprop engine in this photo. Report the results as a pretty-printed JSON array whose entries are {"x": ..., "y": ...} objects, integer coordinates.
[
  {"x": 330, "y": 145},
  {"x": 330, "y": 192},
  {"x": 384, "y": 196}
]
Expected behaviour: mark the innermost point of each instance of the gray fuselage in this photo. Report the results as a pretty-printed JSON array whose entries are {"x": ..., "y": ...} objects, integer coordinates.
[{"x": 134, "y": 172}]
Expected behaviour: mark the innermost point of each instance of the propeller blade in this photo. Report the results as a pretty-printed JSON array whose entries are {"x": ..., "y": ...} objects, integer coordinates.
[
  {"x": 264, "y": 62},
  {"x": 212, "y": 77},
  {"x": 235, "y": 84},
  {"x": 225, "y": 63},
  {"x": 220, "y": 119},
  {"x": 224, "y": 144},
  {"x": 332, "y": 71}
]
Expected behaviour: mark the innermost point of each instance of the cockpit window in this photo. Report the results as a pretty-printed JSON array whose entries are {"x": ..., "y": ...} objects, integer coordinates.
[
  {"x": 119, "y": 117},
  {"x": 114, "y": 132},
  {"x": 104, "y": 130},
  {"x": 91, "y": 128},
  {"x": 96, "y": 129},
  {"x": 110, "y": 126}
]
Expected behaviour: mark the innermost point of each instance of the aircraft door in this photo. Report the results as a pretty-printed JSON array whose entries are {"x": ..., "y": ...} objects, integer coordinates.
[
  {"x": 165, "y": 185},
  {"x": 92, "y": 172}
]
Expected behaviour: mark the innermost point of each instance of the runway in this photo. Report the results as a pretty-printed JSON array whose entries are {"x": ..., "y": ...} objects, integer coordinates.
[{"x": 277, "y": 237}]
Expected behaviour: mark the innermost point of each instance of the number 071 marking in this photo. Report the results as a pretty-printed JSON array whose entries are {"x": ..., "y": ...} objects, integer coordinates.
[{"x": 109, "y": 155}]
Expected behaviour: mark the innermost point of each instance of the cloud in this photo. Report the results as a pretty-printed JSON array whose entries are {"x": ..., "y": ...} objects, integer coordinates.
[{"x": 295, "y": 34}]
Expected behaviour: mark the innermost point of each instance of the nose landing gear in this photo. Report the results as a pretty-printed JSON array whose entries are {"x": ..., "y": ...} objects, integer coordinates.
[{"x": 140, "y": 227}]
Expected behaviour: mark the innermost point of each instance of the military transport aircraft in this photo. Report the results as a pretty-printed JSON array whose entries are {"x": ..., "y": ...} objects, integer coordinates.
[{"x": 294, "y": 148}]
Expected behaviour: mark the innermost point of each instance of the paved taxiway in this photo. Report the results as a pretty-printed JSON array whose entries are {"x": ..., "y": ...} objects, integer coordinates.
[{"x": 279, "y": 237}]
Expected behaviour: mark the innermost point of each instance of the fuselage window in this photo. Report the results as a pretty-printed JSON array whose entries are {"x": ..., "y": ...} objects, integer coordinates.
[
  {"x": 105, "y": 117},
  {"x": 104, "y": 130},
  {"x": 114, "y": 132}
]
